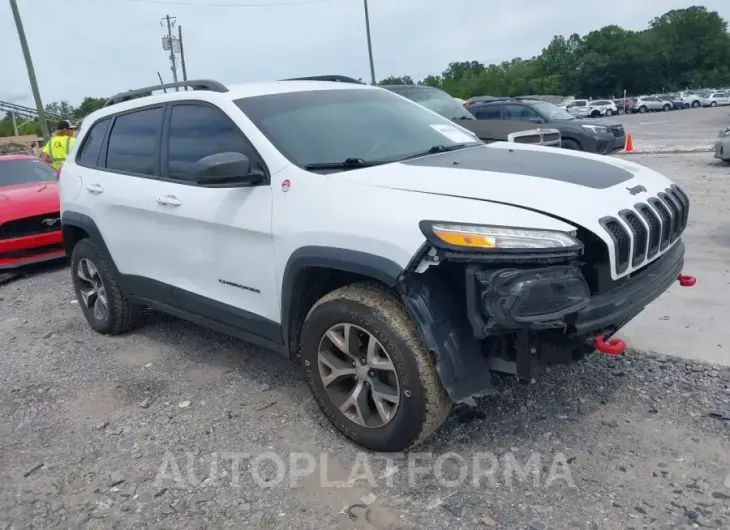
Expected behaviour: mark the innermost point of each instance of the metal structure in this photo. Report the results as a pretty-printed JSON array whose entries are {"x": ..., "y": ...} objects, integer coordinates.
[{"x": 31, "y": 71}]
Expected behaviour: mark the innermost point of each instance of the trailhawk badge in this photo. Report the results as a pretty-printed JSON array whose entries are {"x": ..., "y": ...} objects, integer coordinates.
[{"x": 50, "y": 221}]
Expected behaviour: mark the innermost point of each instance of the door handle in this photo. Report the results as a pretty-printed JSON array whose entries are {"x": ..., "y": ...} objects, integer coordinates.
[
  {"x": 95, "y": 189},
  {"x": 168, "y": 200}
]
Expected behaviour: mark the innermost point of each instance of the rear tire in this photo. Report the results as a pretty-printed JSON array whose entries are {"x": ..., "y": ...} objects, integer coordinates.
[
  {"x": 609, "y": 112},
  {"x": 695, "y": 104},
  {"x": 667, "y": 108},
  {"x": 104, "y": 305},
  {"x": 354, "y": 316},
  {"x": 713, "y": 104},
  {"x": 567, "y": 143},
  {"x": 642, "y": 109}
]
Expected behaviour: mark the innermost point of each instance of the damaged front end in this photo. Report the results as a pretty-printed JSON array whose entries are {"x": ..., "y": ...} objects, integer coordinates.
[{"x": 519, "y": 311}]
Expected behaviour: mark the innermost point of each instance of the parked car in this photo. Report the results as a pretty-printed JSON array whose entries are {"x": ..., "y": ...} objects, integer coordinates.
[
  {"x": 622, "y": 105},
  {"x": 716, "y": 99},
  {"x": 602, "y": 107},
  {"x": 487, "y": 130},
  {"x": 676, "y": 101},
  {"x": 722, "y": 145},
  {"x": 692, "y": 99},
  {"x": 30, "y": 224},
  {"x": 581, "y": 135},
  {"x": 644, "y": 104},
  {"x": 255, "y": 210},
  {"x": 578, "y": 108}
]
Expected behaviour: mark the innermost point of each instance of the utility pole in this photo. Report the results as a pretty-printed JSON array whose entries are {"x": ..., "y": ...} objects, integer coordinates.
[
  {"x": 161, "y": 81},
  {"x": 173, "y": 65},
  {"x": 31, "y": 72},
  {"x": 370, "y": 45},
  {"x": 15, "y": 123},
  {"x": 182, "y": 55}
]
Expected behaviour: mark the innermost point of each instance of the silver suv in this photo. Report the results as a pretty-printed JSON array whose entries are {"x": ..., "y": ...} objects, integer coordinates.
[{"x": 644, "y": 104}]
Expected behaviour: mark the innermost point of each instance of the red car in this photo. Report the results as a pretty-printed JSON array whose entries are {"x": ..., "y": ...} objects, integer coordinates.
[{"x": 30, "y": 222}]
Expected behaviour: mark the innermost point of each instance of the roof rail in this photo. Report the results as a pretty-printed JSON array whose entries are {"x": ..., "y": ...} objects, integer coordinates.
[
  {"x": 195, "y": 84},
  {"x": 336, "y": 78}
]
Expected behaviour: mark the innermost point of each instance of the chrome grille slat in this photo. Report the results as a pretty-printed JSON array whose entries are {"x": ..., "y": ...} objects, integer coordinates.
[{"x": 647, "y": 230}]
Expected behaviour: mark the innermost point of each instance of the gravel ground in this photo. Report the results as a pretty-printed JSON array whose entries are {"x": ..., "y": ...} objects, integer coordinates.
[{"x": 175, "y": 427}]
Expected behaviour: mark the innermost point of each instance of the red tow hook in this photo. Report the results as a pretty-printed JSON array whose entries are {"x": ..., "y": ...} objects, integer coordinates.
[
  {"x": 685, "y": 280},
  {"x": 612, "y": 347}
]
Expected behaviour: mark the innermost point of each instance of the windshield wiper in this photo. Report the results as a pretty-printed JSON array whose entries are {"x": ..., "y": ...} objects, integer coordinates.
[
  {"x": 348, "y": 163},
  {"x": 436, "y": 149}
]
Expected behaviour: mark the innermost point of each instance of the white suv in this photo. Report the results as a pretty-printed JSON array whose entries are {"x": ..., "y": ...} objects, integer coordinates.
[{"x": 395, "y": 256}]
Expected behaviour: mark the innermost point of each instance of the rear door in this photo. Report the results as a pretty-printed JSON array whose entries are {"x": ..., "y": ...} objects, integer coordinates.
[
  {"x": 116, "y": 185},
  {"x": 488, "y": 112}
]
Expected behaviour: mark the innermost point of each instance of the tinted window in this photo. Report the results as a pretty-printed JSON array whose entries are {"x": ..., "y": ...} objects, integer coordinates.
[
  {"x": 330, "y": 126},
  {"x": 519, "y": 112},
  {"x": 197, "y": 131},
  {"x": 133, "y": 142},
  {"x": 25, "y": 171},
  {"x": 489, "y": 112},
  {"x": 89, "y": 153}
]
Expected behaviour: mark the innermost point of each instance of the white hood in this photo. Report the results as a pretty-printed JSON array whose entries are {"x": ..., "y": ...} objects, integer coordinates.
[{"x": 577, "y": 187}]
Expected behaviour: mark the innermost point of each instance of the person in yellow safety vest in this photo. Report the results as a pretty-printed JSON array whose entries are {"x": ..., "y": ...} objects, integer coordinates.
[{"x": 56, "y": 149}]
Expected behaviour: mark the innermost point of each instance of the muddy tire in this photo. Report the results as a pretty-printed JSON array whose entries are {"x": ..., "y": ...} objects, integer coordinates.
[
  {"x": 104, "y": 305},
  {"x": 355, "y": 328}
]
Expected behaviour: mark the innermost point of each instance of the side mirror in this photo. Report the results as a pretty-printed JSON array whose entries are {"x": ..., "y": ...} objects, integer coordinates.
[{"x": 227, "y": 170}]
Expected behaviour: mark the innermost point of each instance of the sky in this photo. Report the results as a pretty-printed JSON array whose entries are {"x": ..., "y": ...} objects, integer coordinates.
[{"x": 101, "y": 47}]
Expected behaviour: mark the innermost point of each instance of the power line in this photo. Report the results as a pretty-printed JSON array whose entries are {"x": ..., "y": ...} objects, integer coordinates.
[{"x": 196, "y": 4}]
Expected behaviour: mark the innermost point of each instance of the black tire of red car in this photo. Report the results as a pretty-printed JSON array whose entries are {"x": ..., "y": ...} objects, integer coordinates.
[
  {"x": 121, "y": 315},
  {"x": 642, "y": 109},
  {"x": 667, "y": 108},
  {"x": 567, "y": 143},
  {"x": 423, "y": 403}
]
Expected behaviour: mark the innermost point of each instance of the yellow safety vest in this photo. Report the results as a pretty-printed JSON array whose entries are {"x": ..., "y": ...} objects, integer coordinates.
[{"x": 57, "y": 149}]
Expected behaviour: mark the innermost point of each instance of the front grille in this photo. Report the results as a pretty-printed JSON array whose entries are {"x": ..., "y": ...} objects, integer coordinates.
[
  {"x": 617, "y": 130},
  {"x": 30, "y": 252},
  {"x": 527, "y": 139},
  {"x": 28, "y": 226},
  {"x": 648, "y": 229},
  {"x": 551, "y": 138}
]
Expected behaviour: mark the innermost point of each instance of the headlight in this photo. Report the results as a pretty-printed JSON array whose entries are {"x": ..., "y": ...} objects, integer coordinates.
[
  {"x": 478, "y": 237},
  {"x": 596, "y": 128}
]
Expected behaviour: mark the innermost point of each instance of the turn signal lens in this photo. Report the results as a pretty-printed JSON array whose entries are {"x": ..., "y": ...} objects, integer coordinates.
[{"x": 465, "y": 240}]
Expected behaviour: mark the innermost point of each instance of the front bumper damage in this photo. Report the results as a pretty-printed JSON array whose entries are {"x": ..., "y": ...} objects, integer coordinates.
[{"x": 517, "y": 318}]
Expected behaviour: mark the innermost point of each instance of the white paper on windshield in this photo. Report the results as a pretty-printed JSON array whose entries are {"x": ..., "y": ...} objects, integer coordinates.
[{"x": 454, "y": 134}]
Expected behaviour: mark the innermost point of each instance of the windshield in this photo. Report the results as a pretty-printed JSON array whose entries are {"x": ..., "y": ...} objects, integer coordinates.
[
  {"x": 331, "y": 126},
  {"x": 437, "y": 101},
  {"x": 25, "y": 171},
  {"x": 551, "y": 112}
]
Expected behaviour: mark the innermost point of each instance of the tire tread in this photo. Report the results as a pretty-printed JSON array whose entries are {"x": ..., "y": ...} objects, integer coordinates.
[{"x": 391, "y": 310}]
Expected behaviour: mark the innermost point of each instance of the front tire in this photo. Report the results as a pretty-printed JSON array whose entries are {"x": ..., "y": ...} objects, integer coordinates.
[
  {"x": 104, "y": 305},
  {"x": 609, "y": 112},
  {"x": 368, "y": 370},
  {"x": 713, "y": 104},
  {"x": 667, "y": 108},
  {"x": 695, "y": 104},
  {"x": 642, "y": 109}
]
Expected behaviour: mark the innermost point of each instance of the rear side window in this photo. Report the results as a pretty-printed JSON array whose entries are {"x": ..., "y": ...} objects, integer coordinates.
[
  {"x": 89, "y": 153},
  {"x": 133, "y": 142},
  {"x": 197, "y": 131},
  {"x": 490, "y": 112}
]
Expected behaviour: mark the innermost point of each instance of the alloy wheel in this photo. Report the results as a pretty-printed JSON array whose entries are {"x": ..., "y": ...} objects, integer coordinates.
[
  {"x": 91, "y": 289},
  {"x": 359, "y": 376}
]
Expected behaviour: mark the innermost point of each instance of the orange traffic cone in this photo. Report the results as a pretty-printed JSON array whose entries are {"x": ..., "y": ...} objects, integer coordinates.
[{"x": 629, "y": 147}]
